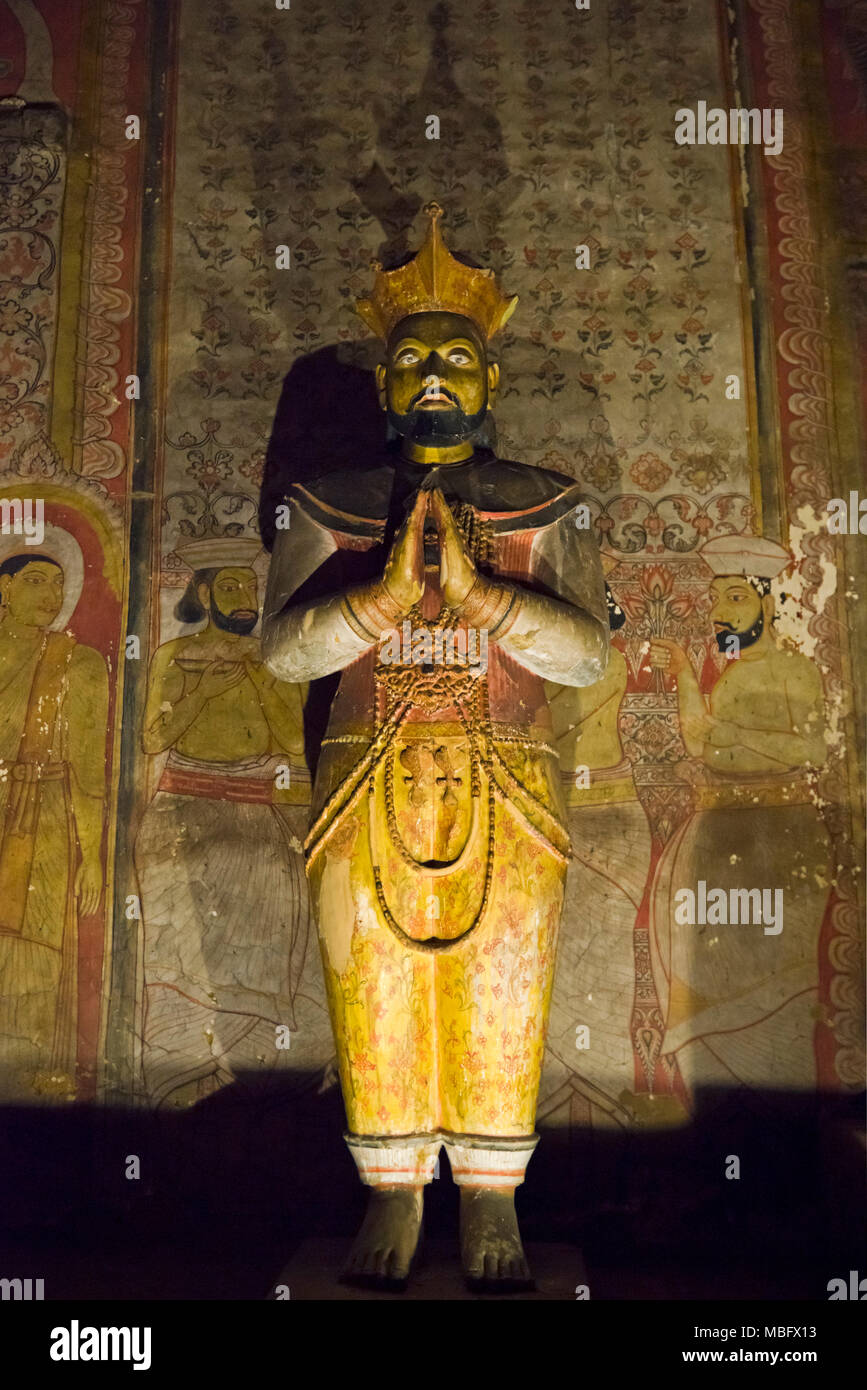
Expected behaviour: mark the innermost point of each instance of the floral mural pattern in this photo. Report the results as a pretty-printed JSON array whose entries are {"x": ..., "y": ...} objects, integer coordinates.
[
  {"x": 293, "y": 138},
  {"x": 32, "y": 176}
]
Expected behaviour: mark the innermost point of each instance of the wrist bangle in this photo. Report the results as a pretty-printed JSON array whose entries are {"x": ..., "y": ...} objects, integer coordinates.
[
  {"x": 491, "y": 606},
  {"x": 370, "y": 610}
]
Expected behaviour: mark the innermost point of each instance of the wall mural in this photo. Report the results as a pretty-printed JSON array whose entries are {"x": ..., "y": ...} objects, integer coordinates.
[
  {"x": 182, "y": 365},
  {"x": 616, "y": 375}
]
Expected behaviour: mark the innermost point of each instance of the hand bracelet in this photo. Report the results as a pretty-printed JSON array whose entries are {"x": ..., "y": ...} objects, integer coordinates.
[
  {"x": 370, "y": 610},
  {"x": 491, "y": 606}
]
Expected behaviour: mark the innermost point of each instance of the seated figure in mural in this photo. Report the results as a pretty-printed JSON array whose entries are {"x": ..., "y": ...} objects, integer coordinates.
[
  {"x": 53, "y": 717},
  {"x": 220, "y": 966},
  {"x": 439, "y": 841},
  {"x": 740, "y": 998},
  {"x": 594, "y": 983}
]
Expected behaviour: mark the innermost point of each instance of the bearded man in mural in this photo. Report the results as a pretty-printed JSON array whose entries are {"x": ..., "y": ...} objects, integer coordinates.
[
  {"x": 221, "y": 967},
  {"x": 439, "y": 839},
  {"x": 53, "y": 716},
  {"x": 741, "y": 997}
]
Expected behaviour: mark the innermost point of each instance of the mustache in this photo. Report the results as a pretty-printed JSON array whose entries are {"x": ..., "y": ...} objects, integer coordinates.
[{"x": 441, "y": 391}]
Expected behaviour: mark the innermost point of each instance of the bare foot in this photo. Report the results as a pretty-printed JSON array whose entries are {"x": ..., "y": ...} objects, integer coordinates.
[
  {"x": 383, "y": 1250},
  {"x": 491, "y": 1251}
]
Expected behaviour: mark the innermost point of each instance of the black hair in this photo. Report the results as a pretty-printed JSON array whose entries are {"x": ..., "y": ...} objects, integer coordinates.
[
  {"x": 188, "y": 608},
  {"x": 13, "y": 563},
  {"x": 761, "y": 586},
  {"x": 616, "y": 615}
]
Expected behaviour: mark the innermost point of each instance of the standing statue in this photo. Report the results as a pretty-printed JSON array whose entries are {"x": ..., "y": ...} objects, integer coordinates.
[{"x": 446, "y": 585}]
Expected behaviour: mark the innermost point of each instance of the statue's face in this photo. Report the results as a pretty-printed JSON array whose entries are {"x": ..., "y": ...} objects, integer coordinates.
[
  {"x": 233, "y": 601},
  {"x": 34, "y": 596},
  {"x": 737, "y": 607},
  {"x": 436, "y": 382}
]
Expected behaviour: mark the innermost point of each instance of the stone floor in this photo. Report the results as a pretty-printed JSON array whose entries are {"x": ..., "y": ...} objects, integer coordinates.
[{"x": 312, "y": 1274}]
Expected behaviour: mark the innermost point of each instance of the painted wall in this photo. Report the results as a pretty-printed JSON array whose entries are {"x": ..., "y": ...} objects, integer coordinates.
[{"x": 696, "y": 378}]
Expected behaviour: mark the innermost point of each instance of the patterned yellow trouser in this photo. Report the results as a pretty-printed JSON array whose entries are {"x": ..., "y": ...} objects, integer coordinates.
[{"x": 439, "y": 1041}]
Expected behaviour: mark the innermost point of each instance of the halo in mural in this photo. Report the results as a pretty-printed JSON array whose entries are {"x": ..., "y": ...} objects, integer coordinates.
[{"x": 61, "y": 546}]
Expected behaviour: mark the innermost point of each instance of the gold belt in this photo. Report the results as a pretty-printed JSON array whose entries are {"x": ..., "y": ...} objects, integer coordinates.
[
  {"x": 609, "y": 786},
  {"x": 536, "y": 734}
]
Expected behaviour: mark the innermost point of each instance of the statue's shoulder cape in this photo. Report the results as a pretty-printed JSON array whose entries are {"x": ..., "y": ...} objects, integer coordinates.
[{"x": 513, "y": 496}]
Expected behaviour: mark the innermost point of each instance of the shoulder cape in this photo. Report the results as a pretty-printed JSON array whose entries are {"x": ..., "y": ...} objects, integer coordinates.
[{"x": 513, "y": 496}]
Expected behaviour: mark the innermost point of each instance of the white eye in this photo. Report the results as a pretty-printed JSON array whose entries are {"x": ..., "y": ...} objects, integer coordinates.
[
  {"x": 459, "y": 357},
  {"x": 408, "y": 356}
]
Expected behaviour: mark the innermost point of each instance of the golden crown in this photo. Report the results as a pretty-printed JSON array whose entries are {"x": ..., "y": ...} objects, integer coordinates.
[{"x": 435, "y": 280}]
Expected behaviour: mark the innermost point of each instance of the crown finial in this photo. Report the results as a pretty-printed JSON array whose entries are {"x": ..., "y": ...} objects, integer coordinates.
[{"x": 433, "y": 280}]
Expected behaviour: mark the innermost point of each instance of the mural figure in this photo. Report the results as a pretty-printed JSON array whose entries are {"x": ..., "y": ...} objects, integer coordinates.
[
  {"x": 594, "y": 983},
  {"x": 439, "y": 843},
  {"x": 740, "y": 998},
  {"x": 53, "y": 718},
  {"x": 220, "y": 965}
]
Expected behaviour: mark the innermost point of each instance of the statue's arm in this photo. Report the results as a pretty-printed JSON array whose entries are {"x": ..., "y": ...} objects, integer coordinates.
[
  {"x": 304, "y": 638},
  {"x": 561, "y": 635}
]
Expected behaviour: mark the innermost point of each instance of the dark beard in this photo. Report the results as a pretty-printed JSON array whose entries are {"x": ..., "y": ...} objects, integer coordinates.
[
  {"x": 745, "y": 639},
  {"x": 437, "y": 427},
  {"x": 616, "y": 615},
  {"x": 227, "y": 622}
]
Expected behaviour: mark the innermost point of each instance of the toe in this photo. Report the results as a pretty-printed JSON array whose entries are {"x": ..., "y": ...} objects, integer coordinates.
[
  {"x": 398, "y": 1267},
  {"x": 370, "y": 1262}
]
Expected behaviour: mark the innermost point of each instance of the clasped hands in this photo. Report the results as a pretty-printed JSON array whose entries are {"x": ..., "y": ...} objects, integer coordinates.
[{"x": 404, "y": 571}]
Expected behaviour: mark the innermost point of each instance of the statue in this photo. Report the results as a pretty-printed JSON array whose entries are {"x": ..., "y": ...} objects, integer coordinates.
[
  {"x": 53, "y": 717},
  {"x": 740, "y": 997},
  {"x": 219, "y": 974},
  {"x": 446, "y": 585}
]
